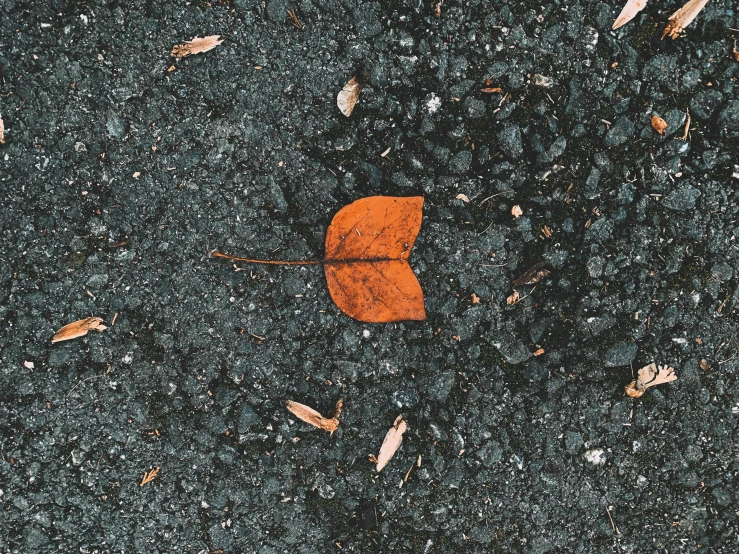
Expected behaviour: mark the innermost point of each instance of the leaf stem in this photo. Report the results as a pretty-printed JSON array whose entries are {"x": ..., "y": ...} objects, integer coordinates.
[{"x": 217, "y": 254}]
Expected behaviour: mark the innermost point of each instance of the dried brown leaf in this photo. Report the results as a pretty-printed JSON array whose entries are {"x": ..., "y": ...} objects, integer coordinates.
[
  {"x": 513, "y": 298},
  {"x": 149, "y": 476},
  {"x": 736, "y": 53},
  {"x": 79, "y": 329},
  {"x": 392, "y": 441},
  {"x": 649, "y": 376},
  {"x": 196, "y": 46},
  {"x": 532, "y": 275},
  {"x": 629, "y": 12},
  {"x": 682, "y": 18},
  {"x": 2, "y": 131},
  {"x": 659, "y": 124},
  {"x": 490, "y": 90},
  {"x": 309, "y": 415},
  {"x": 347, "y": 98}
]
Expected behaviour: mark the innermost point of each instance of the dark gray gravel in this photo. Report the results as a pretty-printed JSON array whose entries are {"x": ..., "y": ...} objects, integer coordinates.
[{"x": 119, "y": 177}]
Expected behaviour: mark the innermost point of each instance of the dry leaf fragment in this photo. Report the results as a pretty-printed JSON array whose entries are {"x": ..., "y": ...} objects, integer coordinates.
[
  {"x": 196, "y": 46},
  {"x": 309, "y": 415},
  {"x": 629, "y": 12},
  {"x": 2, "y": 131},
  {"x": 516, "y": 211},
  {"x": 659, "y": 124},
  {"x": 513, "y": 298},
  {"x": 539, "y": 352},
  {"x": 490, "y": 90},
  {"x": 463, "y": 198},
  {"x": 649, "y": 376},
  {"x": 532, "y": 275},
  {"x": 735, "y": 52},
  {"x": 475, "y": 299},
  {"x": 392, "y": 441},
  {"x": 79, "y": 329},
  {"x": 682, "y": 18},
  {"x": 149, "y": 476},
  {"x": 347, "y": 98}
]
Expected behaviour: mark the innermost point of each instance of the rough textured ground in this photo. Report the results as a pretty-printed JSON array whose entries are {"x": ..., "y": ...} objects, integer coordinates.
[{"x": 119, "y": 177}]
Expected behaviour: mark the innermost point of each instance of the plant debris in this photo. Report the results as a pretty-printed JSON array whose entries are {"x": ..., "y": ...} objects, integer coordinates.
[
  {"x": 513, "y": 298},
  {"x": 366, "y": 262},
  {"x": 649, "y": 376},
  {"x": 149, "y": 476},
  {"x": 532, "y": 275},
  {"x": 734, "y": 51},
  {"x": 463, "y": 198},
  {"x": 682, "y": 18},
  {"x": 490, "y": 90},
  {"x": 309, "y": 415},
  {"x": 629, "y": 12},
  {"x": 79, "y": 329},
  {"x": 516, "y": 211},
  {"x": 391, "y": 443},
  {"x": 659, "y": 124},
  {"x": 196, "y": 46},
  {"x": 294, "y": 19},
  {"x": 347, "y": 98},
  {"x": 2, "y": 131}
]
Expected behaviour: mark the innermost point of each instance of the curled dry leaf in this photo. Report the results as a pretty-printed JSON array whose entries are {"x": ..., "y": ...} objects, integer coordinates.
[
  {"x": 347, "y": 98},
  {"x": 629, "y": 12},
  {"x": 659, "y": 124},
  {"x": 309, "y": 415},
  {"x": 516, "y": 211},
  {"x": 513, "y": 298},
  {"x": 682, "y": 18},
  {"x": 463, "y": 198},
  {"x": 196, "y": 46},
  {"x": 79, "y": 329},
  {"x": 532, "y": 275},
  {"x": 392, "y": 441},
  {"x": 649, "y": 376}
]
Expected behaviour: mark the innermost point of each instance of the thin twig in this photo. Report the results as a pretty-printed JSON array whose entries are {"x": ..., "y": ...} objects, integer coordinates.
[
  {"x": 494, "y": 195},
  {"x": 217, "y": 254},
  {"x": 612, "y": 524}
]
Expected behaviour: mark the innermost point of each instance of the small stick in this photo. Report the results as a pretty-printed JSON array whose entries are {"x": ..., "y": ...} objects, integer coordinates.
[
  {"x": 494, "y": 195},
  {"x": 687, "y": 125},
  {"x": 612, "y": 524},
  {"x": 217, "y": 254}
]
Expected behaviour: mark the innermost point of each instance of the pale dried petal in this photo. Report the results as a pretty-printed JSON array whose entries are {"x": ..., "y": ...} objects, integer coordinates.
[
  {"x": 682, "y": 18},
  {"x": 463, "y": 198},
  {"x": 516, "y": 211},
  {"x": 392, "y": 441},
  {"x": 629, "y": 12},
  {"x": 2, "y": 131},
  {"x": 659, "y": 124},
  {"x": 79, "y": 329},
  {"x": 649, "y": 376},
  {"x": 347, "y": 97},
  {"x": 196, "y": 46},
  {"x": 309, "y": 415}
]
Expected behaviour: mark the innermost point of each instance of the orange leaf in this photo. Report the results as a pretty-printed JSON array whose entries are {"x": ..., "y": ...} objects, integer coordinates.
[
  {"x": 682, "y": 18},
  {"x": 366, "y": 263},
  {"x": 79, "y": 329},
  {"x": 367, "y": 247},
  {"x": 196, "y": 46}
]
